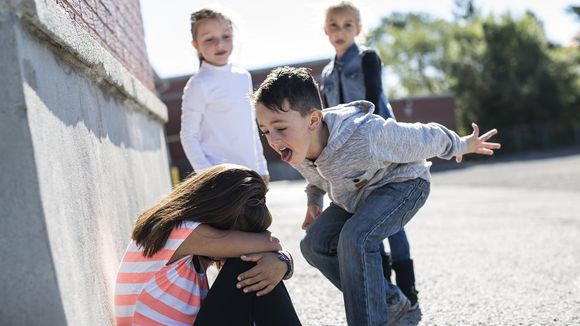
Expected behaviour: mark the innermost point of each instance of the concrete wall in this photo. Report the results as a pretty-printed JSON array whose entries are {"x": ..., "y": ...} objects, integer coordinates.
[{"x": 82, "y": 153}]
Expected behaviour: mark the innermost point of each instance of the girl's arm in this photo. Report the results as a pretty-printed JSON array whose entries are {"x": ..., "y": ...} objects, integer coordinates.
[
  {"x": 260, "y": 159},
  {"x": 192, "y": 111},
  {"x": 209, "y": 241},
  {"x": 372, "y": 68}
]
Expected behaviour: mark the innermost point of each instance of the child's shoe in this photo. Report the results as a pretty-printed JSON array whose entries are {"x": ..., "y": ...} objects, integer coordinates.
[
  {"x": 405, "y": 277},
  {"x": 397, "y": 307}
]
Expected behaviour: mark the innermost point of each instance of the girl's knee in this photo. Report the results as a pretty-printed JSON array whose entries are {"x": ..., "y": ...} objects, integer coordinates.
[{"x": 236, "y": 265}]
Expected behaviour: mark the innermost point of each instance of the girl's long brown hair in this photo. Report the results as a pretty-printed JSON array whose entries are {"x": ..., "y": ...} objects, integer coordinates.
[{"x": 226, "y": 196}]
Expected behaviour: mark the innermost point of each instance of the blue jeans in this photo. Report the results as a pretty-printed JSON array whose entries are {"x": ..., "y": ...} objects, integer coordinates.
[
  {"x": 345, "y": 247},
  {"x": 399, "y": 247}
]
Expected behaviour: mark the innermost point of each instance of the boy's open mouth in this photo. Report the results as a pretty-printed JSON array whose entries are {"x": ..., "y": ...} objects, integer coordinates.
[{"x": 286, "y": 154}]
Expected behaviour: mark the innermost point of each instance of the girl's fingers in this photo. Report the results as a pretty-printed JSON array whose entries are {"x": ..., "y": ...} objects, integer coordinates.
[
  {"x": 265, "y": 291},
  {"x": 249, "y": 274},
  {"x": 256, "y": 287},
  {"x": 246, "y": 282}
]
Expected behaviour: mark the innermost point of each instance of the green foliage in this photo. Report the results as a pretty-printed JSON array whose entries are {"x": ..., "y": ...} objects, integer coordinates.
[
  {"x": 574, "y": 10},
  {"x": 503, "y": 71},
  {"x": 411, "y": 45}
]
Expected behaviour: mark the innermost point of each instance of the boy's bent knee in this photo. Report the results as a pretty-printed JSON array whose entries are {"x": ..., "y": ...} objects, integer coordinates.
[
  {"x": 312, "y": 246},
  {"x": 306, "y": 246}
]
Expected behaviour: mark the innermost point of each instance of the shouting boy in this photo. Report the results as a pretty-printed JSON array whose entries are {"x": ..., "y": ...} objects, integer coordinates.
[{"x": 375, "y": 173}]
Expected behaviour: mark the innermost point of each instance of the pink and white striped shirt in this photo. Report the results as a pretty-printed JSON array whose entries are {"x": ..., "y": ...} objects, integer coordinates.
[{"x": 150, "y": 292}]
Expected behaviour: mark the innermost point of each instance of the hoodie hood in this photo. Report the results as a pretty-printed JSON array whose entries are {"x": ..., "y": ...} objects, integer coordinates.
[{"x": 343, "y": 121}]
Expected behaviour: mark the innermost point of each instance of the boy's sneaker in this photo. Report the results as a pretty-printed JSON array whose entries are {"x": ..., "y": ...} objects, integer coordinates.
[
  {"x": 414, "y": 306},
  {"x": 397, "y": 307},
  {"x": 412, "y": 296}
]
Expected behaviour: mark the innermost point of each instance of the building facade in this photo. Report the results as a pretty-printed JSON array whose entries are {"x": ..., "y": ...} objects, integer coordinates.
[{"x": 439, "y": 108}]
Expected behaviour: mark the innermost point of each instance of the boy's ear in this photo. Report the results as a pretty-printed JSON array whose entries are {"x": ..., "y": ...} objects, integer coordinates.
[
  {"x": 315, "y": 119},
  {"x": 194, "y": 44}
]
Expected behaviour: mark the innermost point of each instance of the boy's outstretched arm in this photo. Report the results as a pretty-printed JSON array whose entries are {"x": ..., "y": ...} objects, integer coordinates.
[{"x": 478, "y": 144}]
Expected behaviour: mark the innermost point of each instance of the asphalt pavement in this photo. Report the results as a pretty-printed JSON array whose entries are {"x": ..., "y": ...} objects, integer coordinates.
[{"x": 498, "y": 243}]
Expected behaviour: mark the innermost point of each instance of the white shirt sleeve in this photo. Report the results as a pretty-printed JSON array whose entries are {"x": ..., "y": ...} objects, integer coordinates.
[
  {"x": 262, "y": 166},
  {"x": 193, "y": 107}
]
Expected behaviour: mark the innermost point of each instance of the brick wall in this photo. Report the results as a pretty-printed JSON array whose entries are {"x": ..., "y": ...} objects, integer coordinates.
[{"x": 118, "y": 26}]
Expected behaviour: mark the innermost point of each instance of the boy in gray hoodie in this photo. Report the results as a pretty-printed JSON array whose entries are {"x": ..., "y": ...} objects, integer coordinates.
[{"x": 375, "y": 173}]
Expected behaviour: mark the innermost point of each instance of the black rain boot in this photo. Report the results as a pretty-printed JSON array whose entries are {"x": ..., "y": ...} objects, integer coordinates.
[
  {"x": 405, "y": 276},
  {"x": 386, "y": 259}
]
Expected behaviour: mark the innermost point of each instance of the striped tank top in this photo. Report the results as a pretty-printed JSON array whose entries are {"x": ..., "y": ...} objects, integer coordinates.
[{"x": 149, "y": 292}]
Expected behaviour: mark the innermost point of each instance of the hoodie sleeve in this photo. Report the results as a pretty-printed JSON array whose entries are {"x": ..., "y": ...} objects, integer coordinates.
[
  {"x": 192, "y": 111},
  {"x": 315, "y": 195},
  {"x": 399, "y": 142}
]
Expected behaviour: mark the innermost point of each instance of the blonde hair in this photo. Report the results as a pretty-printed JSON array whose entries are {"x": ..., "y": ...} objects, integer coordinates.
[
  {"x": 198, "y": 16},
  {"x": 344, "y": 6},
  {"x": 206, "y": 13}
]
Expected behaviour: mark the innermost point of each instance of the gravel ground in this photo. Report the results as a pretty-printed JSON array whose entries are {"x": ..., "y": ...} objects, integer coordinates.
[{"x": 497, "y": 243}]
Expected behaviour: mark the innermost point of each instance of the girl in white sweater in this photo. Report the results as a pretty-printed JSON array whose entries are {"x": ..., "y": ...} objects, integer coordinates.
[{"x": 218, "y": 120}]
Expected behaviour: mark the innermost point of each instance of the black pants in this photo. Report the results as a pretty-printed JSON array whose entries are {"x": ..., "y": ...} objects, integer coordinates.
[{"x": 226, "y": 305}]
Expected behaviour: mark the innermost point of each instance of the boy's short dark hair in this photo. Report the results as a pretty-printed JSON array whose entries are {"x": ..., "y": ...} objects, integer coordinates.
[{"x": 295, "y": 85}]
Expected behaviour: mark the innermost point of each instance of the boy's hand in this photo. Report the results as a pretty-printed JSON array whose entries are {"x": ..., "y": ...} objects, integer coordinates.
[
  {"x": 311, "y": 213},
  {"x": 478, "y": 144},
  {"x": 263, "y": 277}
]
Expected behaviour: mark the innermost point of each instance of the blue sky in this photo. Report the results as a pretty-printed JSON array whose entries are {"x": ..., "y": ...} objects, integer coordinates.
[{"x": 275, "y": 32}]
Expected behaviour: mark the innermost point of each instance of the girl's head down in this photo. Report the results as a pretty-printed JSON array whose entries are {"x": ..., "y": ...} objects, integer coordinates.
[
  {"x": 212, "y": 36},
  {"x": 226, "y": 196}
]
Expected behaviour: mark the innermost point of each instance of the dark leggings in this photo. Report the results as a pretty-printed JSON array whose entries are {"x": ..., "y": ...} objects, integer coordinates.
[{"x": 227, "y": 305}]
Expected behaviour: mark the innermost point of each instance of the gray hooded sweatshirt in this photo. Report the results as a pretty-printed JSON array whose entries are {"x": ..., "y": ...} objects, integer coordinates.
[{"x": 364, "y": 152}]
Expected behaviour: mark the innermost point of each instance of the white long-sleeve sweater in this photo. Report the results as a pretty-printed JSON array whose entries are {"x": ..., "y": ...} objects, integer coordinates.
[{"x": 218, "y": 121}]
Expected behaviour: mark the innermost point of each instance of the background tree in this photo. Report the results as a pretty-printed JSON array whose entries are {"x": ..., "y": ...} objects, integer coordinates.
[
  {"x": 412, "y": 46},
  {"x": 502, "y": 70}
]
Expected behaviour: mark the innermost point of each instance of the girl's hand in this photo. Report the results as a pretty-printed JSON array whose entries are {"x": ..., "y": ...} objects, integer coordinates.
[
  {"x": 266, "y": 179},
  {"x": 478, "y": 144},
  {"x": 311, "y": 213},
  {"x": 263, "y": 277}
]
